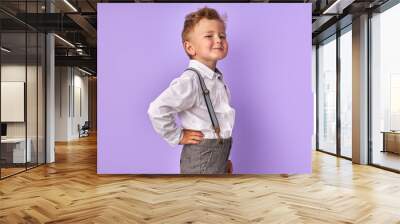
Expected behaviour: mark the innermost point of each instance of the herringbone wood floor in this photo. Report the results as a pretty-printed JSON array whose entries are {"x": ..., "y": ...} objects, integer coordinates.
[{"x": 70, "y": 191}]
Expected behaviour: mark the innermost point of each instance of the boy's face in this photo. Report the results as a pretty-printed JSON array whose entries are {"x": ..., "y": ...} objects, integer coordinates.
[{"x": 207, "y": 41}]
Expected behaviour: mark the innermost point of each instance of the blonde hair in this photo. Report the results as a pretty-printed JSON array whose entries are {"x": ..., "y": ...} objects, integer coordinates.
[{"x": 194, "y": 18}]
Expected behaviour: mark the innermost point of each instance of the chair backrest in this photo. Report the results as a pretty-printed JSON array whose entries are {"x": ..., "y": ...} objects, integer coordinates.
[{"x": 86, "y": 125}]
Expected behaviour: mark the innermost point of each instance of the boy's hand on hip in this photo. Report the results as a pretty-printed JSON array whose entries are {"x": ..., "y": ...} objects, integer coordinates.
[{"x": 191, "y": 137}]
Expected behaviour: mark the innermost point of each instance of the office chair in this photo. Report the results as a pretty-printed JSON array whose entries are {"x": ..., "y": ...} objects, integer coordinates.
[{"x": 84, "y": 130}]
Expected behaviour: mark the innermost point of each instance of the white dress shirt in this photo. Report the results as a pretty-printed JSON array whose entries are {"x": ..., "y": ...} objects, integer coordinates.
[{"x": 184, "y": 98}]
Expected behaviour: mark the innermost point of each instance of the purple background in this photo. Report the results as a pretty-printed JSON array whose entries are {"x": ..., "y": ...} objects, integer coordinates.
[{"x": 268, "y": 70}]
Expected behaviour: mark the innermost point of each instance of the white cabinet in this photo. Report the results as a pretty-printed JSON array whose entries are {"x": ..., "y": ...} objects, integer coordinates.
[{"x": 18, "y": 149}]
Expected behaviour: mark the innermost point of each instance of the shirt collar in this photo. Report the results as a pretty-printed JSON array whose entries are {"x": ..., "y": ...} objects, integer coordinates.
[{"x": 204, "y": 70}]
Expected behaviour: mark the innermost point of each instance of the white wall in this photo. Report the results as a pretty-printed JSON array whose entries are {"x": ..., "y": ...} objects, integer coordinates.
[
  {"x": 61, "y": 103},
  {"x": 15, "y": 72},
  {"x": 71, "y": 94}
]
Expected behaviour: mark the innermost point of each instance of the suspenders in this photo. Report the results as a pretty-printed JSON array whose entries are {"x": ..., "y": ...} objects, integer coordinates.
[{"x": 210, "y": 107}]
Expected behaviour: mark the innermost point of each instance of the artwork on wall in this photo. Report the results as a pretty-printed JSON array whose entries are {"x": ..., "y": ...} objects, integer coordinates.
[{"x": 12, "y": 101}]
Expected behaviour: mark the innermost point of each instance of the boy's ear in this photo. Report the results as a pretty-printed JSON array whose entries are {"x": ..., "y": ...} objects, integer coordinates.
[{"x": 189, "y": 48}]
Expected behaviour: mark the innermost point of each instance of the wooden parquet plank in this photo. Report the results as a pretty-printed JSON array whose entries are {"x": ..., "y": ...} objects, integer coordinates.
[{"x": 70, "y": 191}]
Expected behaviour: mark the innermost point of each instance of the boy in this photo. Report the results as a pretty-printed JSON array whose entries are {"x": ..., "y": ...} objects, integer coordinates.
[{"x": 206, "y": 126}]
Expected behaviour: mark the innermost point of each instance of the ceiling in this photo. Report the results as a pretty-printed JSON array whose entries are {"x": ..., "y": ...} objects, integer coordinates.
[{"x": 76, "y": 22}]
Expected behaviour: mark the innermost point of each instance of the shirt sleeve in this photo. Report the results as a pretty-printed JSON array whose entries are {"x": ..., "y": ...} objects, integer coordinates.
[{"x": 179, "y": 96}]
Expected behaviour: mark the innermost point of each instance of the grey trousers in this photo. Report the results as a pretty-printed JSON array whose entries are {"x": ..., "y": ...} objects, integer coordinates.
[{"x": 207, "y": 157}]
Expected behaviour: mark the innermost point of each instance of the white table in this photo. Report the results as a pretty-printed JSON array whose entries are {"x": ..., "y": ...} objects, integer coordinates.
[{"x": 18, "y": 145}]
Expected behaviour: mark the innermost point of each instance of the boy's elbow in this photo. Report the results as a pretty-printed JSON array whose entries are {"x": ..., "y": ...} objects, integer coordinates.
[
  {"x": 154, "y": 111},
  {"x": 150, "y": 110}
]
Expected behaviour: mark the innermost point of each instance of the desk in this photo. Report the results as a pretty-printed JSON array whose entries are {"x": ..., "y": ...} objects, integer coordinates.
[
  {"x": 13, "y": 150},
  {"x": 391, "y": 141}
]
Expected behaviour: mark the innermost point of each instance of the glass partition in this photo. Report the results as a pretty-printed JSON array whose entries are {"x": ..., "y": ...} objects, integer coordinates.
[
  {"x": 13, "y": 109},
  {"x": 346, "y": 93},
  {"x": 385, "y": 89},
  {"x": 22, "y": 77},
  {"x": 327, "y": 95},
  {"x": 41, "y": 109},
  {"x": 32, "y": 95}
]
